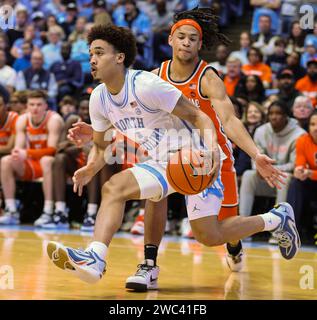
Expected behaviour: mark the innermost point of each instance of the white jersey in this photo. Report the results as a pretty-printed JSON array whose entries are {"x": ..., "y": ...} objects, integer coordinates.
[{"x": 142, "y": 112}]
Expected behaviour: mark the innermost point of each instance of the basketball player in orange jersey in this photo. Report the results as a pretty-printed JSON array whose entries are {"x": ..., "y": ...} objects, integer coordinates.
[
  {"x": 7, "y": 129},
  {"x": 37, "y": 134},
  {"x": 200, "y": 83}
]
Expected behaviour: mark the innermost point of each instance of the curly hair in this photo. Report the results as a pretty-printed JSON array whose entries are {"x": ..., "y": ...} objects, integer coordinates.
[
  {"x": 120, "y": 38},
  {"x": 208, "y": 22}
]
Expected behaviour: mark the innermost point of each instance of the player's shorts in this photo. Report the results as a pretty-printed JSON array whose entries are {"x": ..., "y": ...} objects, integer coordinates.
[
  {"x": 32, "y": 170},
  {"x": 153, "y": 184},
  {"x": 229, "y": 207}
]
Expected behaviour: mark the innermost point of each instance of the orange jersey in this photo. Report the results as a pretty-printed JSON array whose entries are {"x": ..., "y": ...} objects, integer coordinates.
[
  {"x": 307, "y": 88},
  {"x": 8, "y": 128},
  {"x": 191, "y": 89},
  {"x": 37, "y": 135},
  {"x": 306, "y": 154},
  {"x": 230, "y": 84},
  {"x": 261, "y": 70}
]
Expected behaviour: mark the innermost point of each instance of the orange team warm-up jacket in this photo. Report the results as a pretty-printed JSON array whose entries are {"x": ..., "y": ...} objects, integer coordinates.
[
  {"x": 261, "y": 70},
  {"x": 306, "y": 154},
  {"x": 308, "y": 88}
]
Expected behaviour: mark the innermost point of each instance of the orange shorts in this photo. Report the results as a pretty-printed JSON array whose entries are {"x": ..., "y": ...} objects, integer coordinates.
[
  {"x": 32, "y": 170},
  {"x": 229, "y": 207}
]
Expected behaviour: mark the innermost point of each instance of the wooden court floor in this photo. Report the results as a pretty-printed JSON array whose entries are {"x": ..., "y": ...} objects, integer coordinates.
[{"x": 188, "y": 270}]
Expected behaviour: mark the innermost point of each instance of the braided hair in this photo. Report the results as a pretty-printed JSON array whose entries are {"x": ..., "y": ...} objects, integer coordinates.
[{"x": 208, "y": 22}]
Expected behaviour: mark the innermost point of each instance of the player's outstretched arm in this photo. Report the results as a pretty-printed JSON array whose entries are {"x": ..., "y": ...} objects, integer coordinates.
[
  {"x": 213, "y": 87},
  {"x": 185, "y": 110},
  {"x": 96, "y": 161}
]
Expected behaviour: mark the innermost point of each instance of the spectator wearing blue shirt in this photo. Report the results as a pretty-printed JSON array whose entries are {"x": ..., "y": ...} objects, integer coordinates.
[
  {"x": 37, "y": 78},
  {"x": 39, "y": 22},
  {"x": 312, "y": 37},
  {"x": 68, "y": 73},
  {"x": 140, "y": 25},
  {"x": 52, "y": 50},
  {"x": 29, "y": 35},
  {"x": 24, "y": 62},
  {"x": 310, "y": 53},
  {"x": 277, "y": 60},
  {"x": 71, "y": 17},
  {"x": 100, "y": 13},
  {"x": 80, "y": 53}
]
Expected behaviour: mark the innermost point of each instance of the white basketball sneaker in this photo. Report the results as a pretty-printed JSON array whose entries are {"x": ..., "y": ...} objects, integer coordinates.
[
  {"x": 145, "y": 277},
  {"x": 84, "y": 264},
  {"x": 44, "y": 218},
  {"x": 235, "y": 262}
]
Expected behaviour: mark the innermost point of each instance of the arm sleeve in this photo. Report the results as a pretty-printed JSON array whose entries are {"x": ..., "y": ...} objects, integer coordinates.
[
  {"x": 98, "y": 117},
  {"x": 155, "y": 93}
]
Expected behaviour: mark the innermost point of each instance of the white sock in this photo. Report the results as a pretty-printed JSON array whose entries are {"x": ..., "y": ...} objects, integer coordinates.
[
  {"x": 11, "y": 205},
  {"x": 92, "y": 209},
  {"x": 100, "y": 248},
  {"x": 271, "y": 221},
  {"x": 141, "y": 212},
  {"x": 48, "y": 206},
  {"x": 60, "y": 206}
]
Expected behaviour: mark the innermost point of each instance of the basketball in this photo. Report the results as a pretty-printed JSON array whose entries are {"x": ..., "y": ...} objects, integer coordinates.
[{"x": 187, "y": 171}]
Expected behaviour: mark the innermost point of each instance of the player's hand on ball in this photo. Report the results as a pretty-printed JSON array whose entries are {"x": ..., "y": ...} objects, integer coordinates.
[
  {"x": 214, "y": 158},
  {"x": 82, "y": 177}
]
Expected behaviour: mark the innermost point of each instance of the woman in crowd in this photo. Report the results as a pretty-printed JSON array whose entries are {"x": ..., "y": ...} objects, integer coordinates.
[
  {"x": 302, "y": 189},
  {"x": 252, "y": 87},
  {"x": 302, "y": 109},
  {"x": 253, "y": 117}
]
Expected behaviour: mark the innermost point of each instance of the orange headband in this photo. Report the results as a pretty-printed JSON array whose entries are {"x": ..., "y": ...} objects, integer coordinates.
[{"x": 189, "y": 22}]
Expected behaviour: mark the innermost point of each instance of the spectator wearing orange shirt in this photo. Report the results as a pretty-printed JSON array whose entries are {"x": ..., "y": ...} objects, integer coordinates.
[
  {"x": 257, "y": 67},
  {"x": 302, "y": 189},
  {"x": 308, "y": 84},
  {"x": 233, "y": 75}
]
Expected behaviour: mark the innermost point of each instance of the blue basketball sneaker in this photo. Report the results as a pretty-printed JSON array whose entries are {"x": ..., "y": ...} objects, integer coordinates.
[
  {"x": 286, "y": 233},
  {"x": 84, "y": 264}
]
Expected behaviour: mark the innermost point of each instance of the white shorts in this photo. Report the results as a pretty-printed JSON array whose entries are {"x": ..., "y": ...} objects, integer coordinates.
[{"x": 153, "y": 184}]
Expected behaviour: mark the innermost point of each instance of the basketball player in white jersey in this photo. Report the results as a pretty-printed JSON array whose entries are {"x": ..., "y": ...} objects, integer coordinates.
[{"x": 141, "y": 101}]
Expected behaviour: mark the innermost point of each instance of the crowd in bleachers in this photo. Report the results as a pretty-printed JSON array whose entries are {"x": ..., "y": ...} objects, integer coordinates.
[{"x": 271, "y": 80}]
